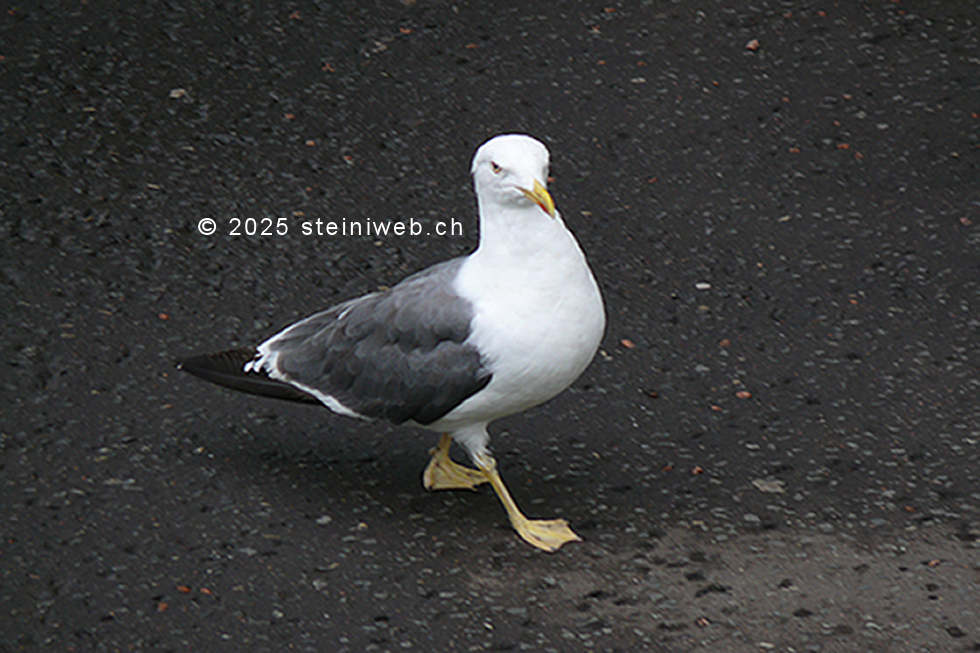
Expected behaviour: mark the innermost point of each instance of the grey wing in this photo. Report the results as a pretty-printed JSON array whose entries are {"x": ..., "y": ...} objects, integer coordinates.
[{"x": 399, "y": 355}]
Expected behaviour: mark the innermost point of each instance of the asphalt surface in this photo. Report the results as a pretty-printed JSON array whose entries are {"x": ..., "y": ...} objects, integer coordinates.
[{"x": 776, "y": 448}]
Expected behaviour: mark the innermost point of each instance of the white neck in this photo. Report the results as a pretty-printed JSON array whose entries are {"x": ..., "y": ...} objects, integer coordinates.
[{"x": 520, "y": 233}]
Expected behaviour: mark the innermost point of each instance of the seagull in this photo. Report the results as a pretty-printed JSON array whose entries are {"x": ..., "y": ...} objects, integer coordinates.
[{"x": 455, "y": 346}]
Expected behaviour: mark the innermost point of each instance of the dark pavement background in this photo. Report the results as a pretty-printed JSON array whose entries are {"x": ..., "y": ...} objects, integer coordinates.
[{"x": 776, "y": 448}]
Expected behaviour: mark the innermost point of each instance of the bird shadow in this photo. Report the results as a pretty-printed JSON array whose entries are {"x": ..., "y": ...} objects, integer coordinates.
[
  {"x": 316, "y": 468},
  {"x": 322, "y": 466}
]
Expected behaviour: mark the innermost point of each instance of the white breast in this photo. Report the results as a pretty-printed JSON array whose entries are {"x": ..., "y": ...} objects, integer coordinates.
[{"x": 539, "y": 319}]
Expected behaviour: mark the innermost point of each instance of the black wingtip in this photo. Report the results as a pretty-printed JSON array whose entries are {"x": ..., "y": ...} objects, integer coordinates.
[{"x": 226, "y": 368}]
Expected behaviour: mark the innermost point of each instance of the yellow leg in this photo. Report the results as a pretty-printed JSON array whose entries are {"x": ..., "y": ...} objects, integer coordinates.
[
  {"x": 547, "y": 534},
  {"x": 444, "y": 474}
]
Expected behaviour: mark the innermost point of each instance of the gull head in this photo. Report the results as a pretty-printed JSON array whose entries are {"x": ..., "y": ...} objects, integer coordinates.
[{"x": 512, "y": 170}]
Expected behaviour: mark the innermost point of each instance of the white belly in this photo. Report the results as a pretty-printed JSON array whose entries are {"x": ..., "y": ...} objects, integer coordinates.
[{"x": 538, "y": 323}]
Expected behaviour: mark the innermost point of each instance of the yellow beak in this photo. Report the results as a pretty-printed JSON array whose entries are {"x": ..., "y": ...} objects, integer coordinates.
[{"x": 540, "y": 195}]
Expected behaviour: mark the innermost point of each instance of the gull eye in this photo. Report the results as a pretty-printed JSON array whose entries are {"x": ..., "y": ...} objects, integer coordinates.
[{"x": 496, "y": 168}]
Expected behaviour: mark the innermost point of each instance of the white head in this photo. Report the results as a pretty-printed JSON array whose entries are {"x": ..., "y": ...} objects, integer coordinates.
[{"x": 512, "y": 170}]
